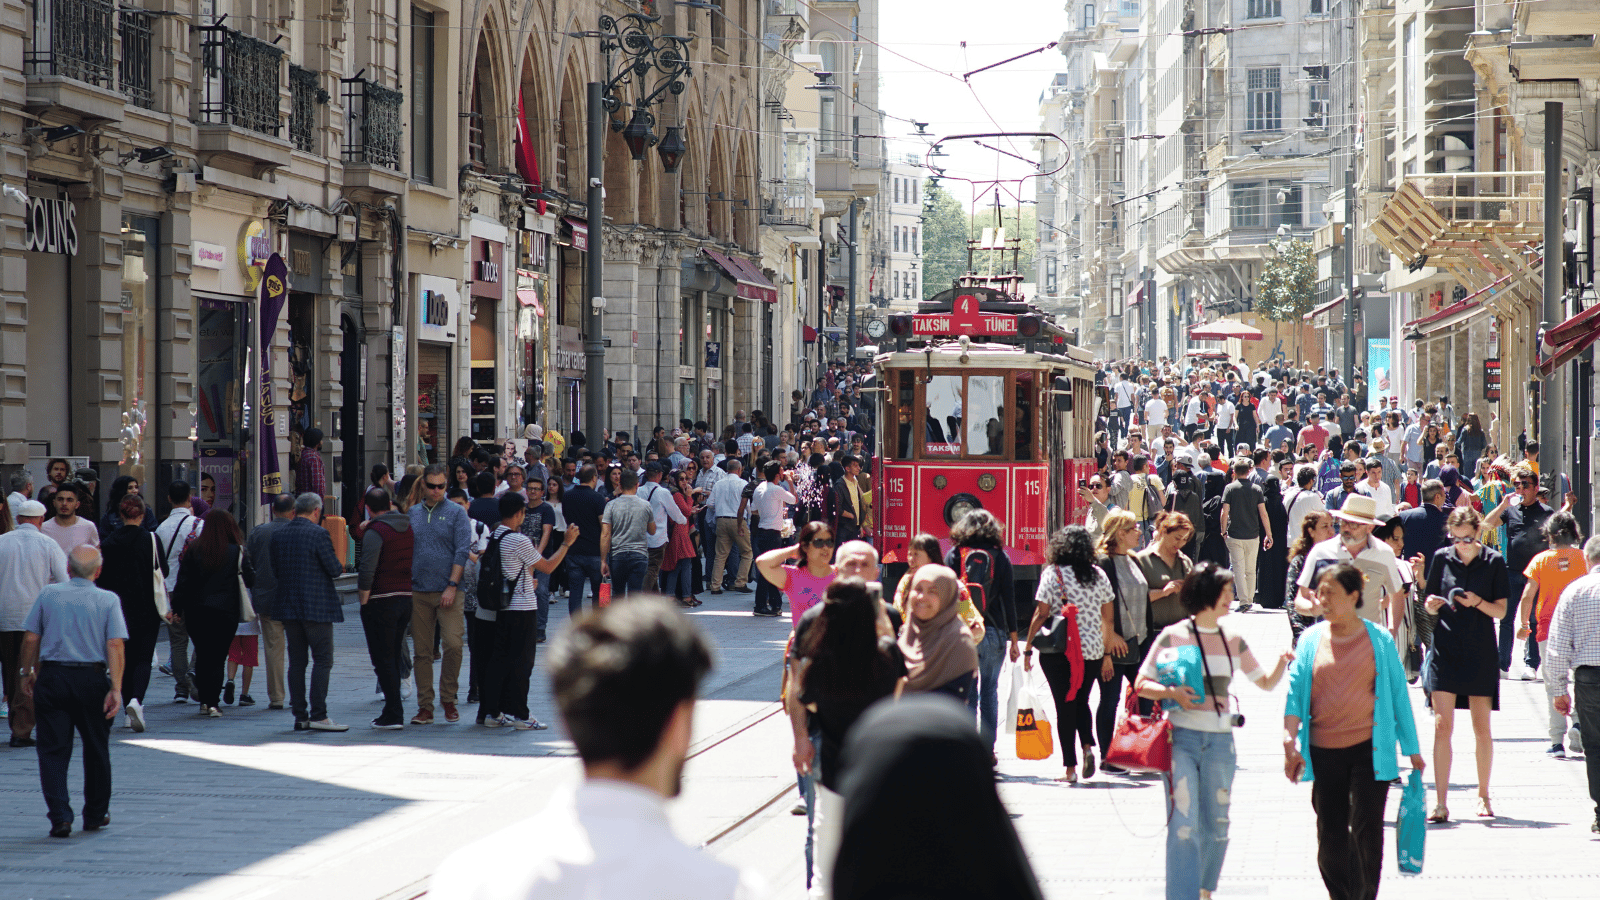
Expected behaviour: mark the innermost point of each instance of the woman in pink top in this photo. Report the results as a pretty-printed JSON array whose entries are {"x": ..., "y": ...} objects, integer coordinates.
[{"x": 806, "y": 583}]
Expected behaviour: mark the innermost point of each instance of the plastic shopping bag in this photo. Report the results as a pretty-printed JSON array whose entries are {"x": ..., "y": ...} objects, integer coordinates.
[
  {"x": 1011, "y": 679},
  {"x": 1033, "y": 727},
  {"x": 1411, "y": 831}
]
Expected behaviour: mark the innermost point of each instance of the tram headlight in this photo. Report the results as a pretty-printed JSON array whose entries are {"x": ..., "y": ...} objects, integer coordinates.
[
  {"x": 958, "y": 506},
  {"x": 1028, "y": 326},
  {"x": 900, "y": 326}
]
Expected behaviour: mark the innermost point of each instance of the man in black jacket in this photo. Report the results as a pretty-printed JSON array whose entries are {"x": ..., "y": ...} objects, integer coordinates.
[
  {"x": 848, "y": 505},
  {"x": 583, "y": 506}
]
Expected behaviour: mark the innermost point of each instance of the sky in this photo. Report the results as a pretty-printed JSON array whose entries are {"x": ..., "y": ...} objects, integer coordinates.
[{"x": 921, "y": 63}]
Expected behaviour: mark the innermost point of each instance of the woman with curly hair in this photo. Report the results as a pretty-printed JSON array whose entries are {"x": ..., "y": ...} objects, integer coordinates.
[
  {"x": 1070, "y": 577},
  {"x": 1315, "y": 528},
  {"x": 978, "y": 539}
]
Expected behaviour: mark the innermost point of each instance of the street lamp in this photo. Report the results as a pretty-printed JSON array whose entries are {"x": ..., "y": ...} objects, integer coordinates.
[{"x": 654, "y": 66}]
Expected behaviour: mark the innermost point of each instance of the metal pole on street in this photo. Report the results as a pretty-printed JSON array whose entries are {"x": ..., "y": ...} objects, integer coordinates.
[
  {"x": 594, "y": 348},
  {"x": 1350, "y": 276},
  {"x": 850, "y": 328},
  {"x": 1549, "y": 396}
]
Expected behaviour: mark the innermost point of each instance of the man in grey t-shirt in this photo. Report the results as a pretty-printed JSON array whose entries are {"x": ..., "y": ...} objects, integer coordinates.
[
  {"x": 624, "y": 527},
  {"x": 1245, "y": 530}
]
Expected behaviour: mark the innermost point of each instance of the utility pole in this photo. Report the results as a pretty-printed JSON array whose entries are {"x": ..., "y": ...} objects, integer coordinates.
[
  {"x": 1549, "y": 402},
  {"x": 1350, "y": 272},
  {"x": 850, "y": 326},
  {"x": 594, "y": 347}
]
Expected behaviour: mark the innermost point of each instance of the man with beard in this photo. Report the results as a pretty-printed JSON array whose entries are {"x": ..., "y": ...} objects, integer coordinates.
[{"x": 625, "y": 681}]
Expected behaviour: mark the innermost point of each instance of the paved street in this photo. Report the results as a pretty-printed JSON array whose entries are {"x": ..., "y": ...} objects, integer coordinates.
[{"x": 245, "y": 808}]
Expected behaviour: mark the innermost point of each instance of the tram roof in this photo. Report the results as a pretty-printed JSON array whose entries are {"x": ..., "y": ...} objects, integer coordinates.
[{"x": 948, "y": 353}]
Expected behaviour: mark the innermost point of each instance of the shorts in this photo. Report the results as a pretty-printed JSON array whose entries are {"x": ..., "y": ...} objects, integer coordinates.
[{"x": 243, "y": 651}]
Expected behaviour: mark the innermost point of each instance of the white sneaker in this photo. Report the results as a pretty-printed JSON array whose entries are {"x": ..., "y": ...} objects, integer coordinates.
[
  {"x": 493, "y": 721},
  {"x": 136, "y": 715},
  {"x": 1574, "y": 739},
  {"x": 328, "y": 725},
  {"x": 528, "y": 724}
]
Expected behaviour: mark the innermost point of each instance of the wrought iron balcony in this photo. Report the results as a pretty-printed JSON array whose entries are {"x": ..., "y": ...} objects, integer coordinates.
[
  {"x": 374, "y": 135},
  {"x": 136, "y": 74},
  {"x": 304, "y": 96},
  {"x": 74, "y": 39},
  {"x": 242, "y": 77}
]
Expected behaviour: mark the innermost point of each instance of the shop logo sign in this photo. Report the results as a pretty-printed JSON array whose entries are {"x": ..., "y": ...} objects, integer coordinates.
[
  {"x": 435, "y": 309},
  {"x": 52, "y": 226}
]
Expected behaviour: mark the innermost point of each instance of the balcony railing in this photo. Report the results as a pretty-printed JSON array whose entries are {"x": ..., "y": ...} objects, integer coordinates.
[
  {"x": 790, "y": 203},
  {"x": 135, "y": 75},
  {"x": 303, "y": 100},
  {"x": 242, "y": 76},
  {"x": 74, "y": 39},
  {"x": 374, "y": 135}
]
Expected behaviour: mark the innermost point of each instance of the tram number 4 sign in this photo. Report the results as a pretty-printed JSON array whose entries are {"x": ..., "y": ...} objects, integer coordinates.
[{"x": 1491, "y": 379}]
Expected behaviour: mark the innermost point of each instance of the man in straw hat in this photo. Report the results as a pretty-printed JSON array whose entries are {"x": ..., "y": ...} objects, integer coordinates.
[{"x": 1354, "y": 544}]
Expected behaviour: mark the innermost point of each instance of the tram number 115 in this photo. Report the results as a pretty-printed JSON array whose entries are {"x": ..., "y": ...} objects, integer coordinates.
[{"x": 1032, "y": 488}]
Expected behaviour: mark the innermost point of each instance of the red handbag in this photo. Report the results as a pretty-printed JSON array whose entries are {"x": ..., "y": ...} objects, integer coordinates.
[{"x": 1141, "y": 743}]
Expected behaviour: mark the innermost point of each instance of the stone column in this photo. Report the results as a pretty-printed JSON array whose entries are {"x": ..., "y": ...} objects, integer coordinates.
[
  {"x": 97, "y": 389},
  {"x": 621, "y": 322}
]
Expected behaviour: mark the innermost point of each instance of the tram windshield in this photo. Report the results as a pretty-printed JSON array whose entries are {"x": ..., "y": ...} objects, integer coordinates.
[{"x": 977, "y": 415}]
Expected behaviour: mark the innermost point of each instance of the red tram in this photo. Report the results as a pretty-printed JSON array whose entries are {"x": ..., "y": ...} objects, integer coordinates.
[{"x": 984, "y": 402}]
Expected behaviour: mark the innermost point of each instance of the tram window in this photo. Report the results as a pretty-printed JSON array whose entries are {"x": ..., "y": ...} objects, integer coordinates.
[
  {"x": 942, "y": 426},
  {"x": 1025, "y": 413},
  {"x": 986, "y": 415},
  {"x": 903, "y": 406}
]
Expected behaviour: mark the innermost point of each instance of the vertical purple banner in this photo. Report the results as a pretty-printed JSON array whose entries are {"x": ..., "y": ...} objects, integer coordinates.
[{"x": 274, "y": 292}]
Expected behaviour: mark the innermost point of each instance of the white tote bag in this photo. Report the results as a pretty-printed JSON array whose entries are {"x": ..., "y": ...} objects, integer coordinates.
[{"x": 158, "y": 581}]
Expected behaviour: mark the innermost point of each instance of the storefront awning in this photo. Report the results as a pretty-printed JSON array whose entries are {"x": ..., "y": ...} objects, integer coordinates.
[
  {"x": 1138, "y": 296},
  {"x": 1570, "y": 338},
  {"x": 808, "y": 334},
  {"x": 1319, "y": 310},
  {"x": 1458, "y": 313},
  {"x": 751, "y": 284},
  {"x": 1225, "y": 329},
  {"x": 580, "y": 232},
  {"x": 530, "y": 297}
]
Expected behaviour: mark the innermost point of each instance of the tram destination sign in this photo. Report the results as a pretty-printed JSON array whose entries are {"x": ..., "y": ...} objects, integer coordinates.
[{"x": 985, "y": 325}]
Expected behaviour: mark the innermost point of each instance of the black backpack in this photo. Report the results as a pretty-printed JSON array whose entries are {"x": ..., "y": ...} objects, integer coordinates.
[
  {"x": 977, "y": 572},
  {"x": 494, "y": 592}
]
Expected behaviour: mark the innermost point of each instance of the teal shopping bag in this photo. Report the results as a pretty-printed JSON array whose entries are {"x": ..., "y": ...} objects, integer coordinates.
[{"x": 1411, "y": 831}]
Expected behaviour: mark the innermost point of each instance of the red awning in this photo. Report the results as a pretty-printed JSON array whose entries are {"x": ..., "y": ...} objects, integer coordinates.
[
  {"x": 580, "y": 232},
  {"x": 1138, "y": 296},
  {"x": 1331, "y": 304},
  {"x": 1570, "y": 338},
  {"x": 1577, "y": 326},
  {"x": 749, "y": 283},
  {"x": 808, "y": 334},
  {"x": 530, "y": 297}
]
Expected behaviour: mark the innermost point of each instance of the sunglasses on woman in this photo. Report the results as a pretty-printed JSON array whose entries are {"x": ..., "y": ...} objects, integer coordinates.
[{"x": 824, "y": 543}]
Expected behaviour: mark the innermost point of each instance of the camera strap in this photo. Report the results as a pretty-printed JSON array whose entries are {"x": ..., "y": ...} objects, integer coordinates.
[{"x": 1217, "y": 704}]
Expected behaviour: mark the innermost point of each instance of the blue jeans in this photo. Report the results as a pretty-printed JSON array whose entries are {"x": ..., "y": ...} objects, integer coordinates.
[
  {"x": 582, "y": 570},
  {"x": 808, "y": 790},
  {"x": 543, "y": 594},
  {"x": 678, "y": 581},
  {"x": 1200, "y": 789},
  {"x": 768, "y": 597},
  {"x": 627, "y": 573},
  {"x": 986, "y": 699}
]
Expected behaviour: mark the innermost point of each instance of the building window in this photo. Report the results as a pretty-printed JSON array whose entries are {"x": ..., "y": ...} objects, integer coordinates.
[
  {"x": 1263, "y": 99},
  {"x": 1088, "y": 16},
  {"x": 1317, "y": 7},
  {"x": 475, "y": 148},
  {"x": 303, "y": 108},
  {"x": 1267, "y": 204},
  {"x": 1318, "y": 104},
  {"x": 915, "y": 186},
  {"x": 913, "y": 247},
  {"x": 135, "y": 71},
  {"x": 422, "y": 90},
  {"x": 1264, "y": 9}
]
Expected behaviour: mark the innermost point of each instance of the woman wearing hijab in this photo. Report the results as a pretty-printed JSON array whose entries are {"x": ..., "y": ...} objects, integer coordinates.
[
  {"x": 936, "y": 644},
  {"x": 912, "y": 763}
]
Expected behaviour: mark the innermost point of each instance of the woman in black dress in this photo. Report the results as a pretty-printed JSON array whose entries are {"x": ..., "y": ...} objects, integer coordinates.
[{"x": 1467, "y": 590}]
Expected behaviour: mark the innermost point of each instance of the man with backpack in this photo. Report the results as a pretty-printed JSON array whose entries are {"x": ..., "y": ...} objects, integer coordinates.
[
  {"x": 175, "y": 533},
  {"x": 979, "y": 558},
  {"x": 384, "y": 588},
  {"x": 508, "y": 595},
  {"x": 1144, "y": 496},
  {"x": 1186, "y": 494}
]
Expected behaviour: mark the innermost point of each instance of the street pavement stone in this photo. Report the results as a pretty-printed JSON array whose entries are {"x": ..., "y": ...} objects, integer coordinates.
[{"x": 244, "y": 807}]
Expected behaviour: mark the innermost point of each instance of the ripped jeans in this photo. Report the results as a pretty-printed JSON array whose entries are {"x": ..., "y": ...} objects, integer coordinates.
[{"x": 1200, "y": 787}]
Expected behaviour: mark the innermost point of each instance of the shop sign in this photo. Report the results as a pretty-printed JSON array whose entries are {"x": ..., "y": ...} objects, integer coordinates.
[
  {"x": 255, "y": 245},
  {"x": 1491, "y": 379},
  {"x": 207, "y": 255},
  {"x": 52, "y": 226},
  {"x": 486, "y": 270},
  {"x": 567, "y": 355},
  {"x": 439, "y": 308},
  {"x": 713, "y": 354}
]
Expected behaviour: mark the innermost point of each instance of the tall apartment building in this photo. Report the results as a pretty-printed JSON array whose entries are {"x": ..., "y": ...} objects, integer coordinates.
[{"x": 899, "y": 285}]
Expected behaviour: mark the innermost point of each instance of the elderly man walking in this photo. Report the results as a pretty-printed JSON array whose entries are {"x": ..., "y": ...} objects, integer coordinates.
[
  {"x": 29, "y": 561},
  {"x": 441, "y": 539},
  {"x": 307, "y": 607},
  {"x": 72, "y": 661},
  {"x": 1574, "y": 647}
]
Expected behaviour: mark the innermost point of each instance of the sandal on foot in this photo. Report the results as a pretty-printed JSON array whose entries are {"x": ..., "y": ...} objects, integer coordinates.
[
  {"x": 1485, "y": 809},
  {"x": 1440, "y": 815}
]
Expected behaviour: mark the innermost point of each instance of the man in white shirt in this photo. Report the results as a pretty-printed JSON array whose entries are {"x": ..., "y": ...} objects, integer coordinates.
[
  {"x": 1373, "y": 486},
  {"x": 28, "y": 562},
  {"x": 639, "y": 665},
  {"x": 1123, "y": 395},
  {"x": 1354, "y": 544},
  {"x": 21, "y": 492},
  {"x": 1227, "y": 423},
  {"x": 732, "y": 529},
  {"x": 769, "y": 501},
  {"x": 1155, "y": 416},
  {"x": 175, "y": 534},
  {"x": 1301, "y": 500},
  {"x": 66, "y": 528},
  {"x": 1270, "y": 409},
  {"x": 665, "y": 509}
]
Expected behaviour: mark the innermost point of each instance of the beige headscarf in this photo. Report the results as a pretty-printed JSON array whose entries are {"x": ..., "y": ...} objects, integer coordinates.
[{"x": 939, "y": 650}]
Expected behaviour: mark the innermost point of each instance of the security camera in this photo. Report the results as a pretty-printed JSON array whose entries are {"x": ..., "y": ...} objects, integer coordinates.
[{"x": 594, "y": 182}]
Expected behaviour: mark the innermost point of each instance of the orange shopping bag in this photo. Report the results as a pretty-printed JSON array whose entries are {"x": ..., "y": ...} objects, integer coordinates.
[{"x": 1034, "y": 739}]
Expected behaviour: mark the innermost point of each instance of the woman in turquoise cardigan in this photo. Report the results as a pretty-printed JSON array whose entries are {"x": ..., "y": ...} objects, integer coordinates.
[{"x": 1347, "y": 711}]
